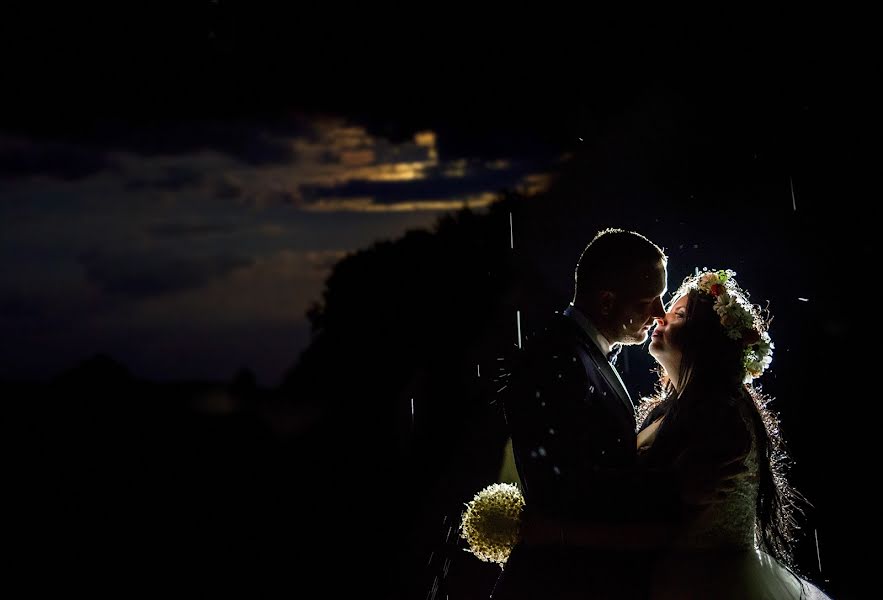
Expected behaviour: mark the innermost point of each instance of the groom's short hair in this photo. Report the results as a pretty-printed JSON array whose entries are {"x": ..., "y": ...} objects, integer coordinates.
[{"x": 613, "y": 261}]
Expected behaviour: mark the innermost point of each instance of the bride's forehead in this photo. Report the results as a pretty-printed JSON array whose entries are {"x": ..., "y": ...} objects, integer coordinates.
[{"x": 679, "y": 302}]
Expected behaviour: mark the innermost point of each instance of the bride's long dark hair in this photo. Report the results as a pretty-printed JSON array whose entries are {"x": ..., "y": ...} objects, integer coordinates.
[{"x": 712, "y": 409}]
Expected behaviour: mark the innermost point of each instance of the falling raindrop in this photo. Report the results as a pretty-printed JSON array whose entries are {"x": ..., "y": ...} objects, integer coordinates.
[
  {"x": 511, "y": 234},
  {"x": 434, "y": 588}
]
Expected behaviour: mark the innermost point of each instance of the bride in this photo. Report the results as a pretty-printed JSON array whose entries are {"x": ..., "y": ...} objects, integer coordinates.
[{"x": 710, "y": 429}]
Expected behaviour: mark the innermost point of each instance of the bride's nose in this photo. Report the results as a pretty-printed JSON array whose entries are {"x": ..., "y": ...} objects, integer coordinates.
[{"x": 659, "y": 321}]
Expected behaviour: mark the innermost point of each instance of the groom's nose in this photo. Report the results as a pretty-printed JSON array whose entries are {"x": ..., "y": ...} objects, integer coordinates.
[{"x": 657, "y": 311}]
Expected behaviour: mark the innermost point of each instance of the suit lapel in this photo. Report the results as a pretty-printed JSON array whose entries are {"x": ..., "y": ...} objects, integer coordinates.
[
  {"x": 603, "y": 367},
  {"x": 610, "y": 376}
]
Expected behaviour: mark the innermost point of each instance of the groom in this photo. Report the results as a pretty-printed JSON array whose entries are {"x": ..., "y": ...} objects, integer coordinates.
[{"x": 572, "y": 423}]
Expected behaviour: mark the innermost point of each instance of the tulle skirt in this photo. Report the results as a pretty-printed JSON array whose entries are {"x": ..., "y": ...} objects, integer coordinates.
[{"x": 746, "y": 575}]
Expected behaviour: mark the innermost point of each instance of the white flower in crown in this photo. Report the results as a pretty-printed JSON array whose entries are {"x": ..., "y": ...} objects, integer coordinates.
[
  {"x": 758, "y": 357},
  {"x": 740, "y": 319}
]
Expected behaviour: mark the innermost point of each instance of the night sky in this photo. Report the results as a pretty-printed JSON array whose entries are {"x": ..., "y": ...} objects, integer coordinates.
[{"x": 176, "y": 185}]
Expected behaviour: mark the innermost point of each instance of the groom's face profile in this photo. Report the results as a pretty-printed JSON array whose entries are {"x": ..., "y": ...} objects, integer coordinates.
[{"x": 636, "y": 311}]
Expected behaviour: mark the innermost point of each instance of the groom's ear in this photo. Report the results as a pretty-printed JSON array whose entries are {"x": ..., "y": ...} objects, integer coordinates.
[{"x": 607, "y": 300}]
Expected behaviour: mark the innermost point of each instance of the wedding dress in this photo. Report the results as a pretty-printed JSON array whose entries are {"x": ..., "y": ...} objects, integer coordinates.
[{"x": 714, "y": 554}]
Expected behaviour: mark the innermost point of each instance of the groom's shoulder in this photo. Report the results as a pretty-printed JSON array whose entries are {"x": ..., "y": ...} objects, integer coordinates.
[
  {"x": 549, "y": 360},
  {"x": 559, "y": 330},
  {"x": 557, "y": 338}
]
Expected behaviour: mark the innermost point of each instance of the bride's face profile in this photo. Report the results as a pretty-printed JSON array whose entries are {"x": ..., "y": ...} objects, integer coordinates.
[{"x": 664, "y": 345}]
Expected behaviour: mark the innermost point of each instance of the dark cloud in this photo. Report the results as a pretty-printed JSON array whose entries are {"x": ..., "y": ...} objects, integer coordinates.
[
  {"x": 227, "y": 190},
  {"x": 146, "y": 275},
  {"x": 387, "y": 152},
  {"x": 72, "y": 152},
  {"x": 272, "y": 197},
  {"x": 282, "y": 197},
  {"x": 184, "y": 230},
  {"x": 86, "y": 149},
  {"x": 21, "y": 159},
  {"x": 32, "y": 310},
  {"x": 252, "y": 142},
  {"x": 328, "y": 157},
  {"x": 323, "y": 262},
  {"x": 174, "y": 179},
  {"x": 434, "y": 187}
]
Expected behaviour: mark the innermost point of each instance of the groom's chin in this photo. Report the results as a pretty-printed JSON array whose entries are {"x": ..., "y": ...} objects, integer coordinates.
[
  {"x": 641, "y": 337},
  {"x": 635, "y": 339}
]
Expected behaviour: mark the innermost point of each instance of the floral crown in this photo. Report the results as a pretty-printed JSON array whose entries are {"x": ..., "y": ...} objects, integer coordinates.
[{"x": 740, "y": 319}]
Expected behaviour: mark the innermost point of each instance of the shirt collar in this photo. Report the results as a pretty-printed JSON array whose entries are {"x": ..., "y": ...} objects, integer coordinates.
[{"x": 583, "y": 321}]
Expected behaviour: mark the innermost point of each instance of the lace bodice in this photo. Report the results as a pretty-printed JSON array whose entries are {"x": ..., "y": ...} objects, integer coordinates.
[
  {"x": 721, "y": 514},
  {"x": 714, "y": 554},
  {"x": 727, "y": 521},
  {"x": 724, "y": 518}
]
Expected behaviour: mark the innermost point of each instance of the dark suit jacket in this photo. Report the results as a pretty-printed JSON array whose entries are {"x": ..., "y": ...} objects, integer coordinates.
[
  {"x": 572, "y": 426},
  {"x": 573, "y": 434}
]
